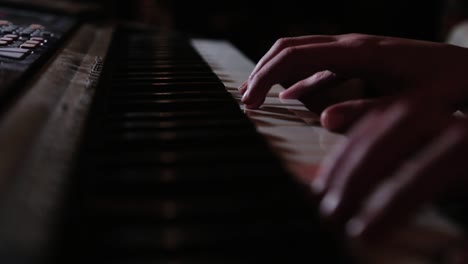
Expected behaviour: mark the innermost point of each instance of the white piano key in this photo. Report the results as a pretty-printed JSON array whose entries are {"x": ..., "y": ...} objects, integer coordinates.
[
  {"x": 275, "y": 101},
  {"x": 302, "y": 134},
  {"x": 275, "y": 120}
]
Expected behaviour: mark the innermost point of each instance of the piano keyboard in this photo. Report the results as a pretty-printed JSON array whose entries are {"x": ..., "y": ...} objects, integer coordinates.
[{"x": 172, "y": 171}]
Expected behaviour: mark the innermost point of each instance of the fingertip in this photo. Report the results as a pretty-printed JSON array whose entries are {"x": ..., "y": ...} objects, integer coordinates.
[
  {"x": 243, "y": 87},
  {"x": 248, "y": 101},
  {"x": 285, "y": 95},
  {"x": 246, "y": 98},
  {"x": 251, "y": 102},
  {"x": 334, "y": 121},
  {"x": 341, "y": 117},
  {"x": 355, "y": 228},
  {"x": 242, "y": 90},
  {"x": 252, "y": 106},
  {"x": 318, "y": 186},
  {"x": 363, "y": 230},
  {"x": 329, "y": 205},
  {"x": 282, "y": 96}
]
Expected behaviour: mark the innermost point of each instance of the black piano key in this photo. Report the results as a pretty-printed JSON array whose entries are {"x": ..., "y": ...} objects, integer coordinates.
[
  {"x": 218, "y": 190},
  {"x": 165, "y": 105},
  {"x": 177, "y": 125},
  {"x": 170, "y": 116},
  {"x": 164, "y": 67},
  {"x": 179, "y": 158},
  {"x": 186, "y": 131},
  {"x": 174, "y": 142},
  {"x": 197, "y": 173},
  {"x": 135, "y": 74},
  {"x": 176, "y": 78},
  {"x": 179, "y": 260},
  {"x": 243, "y": 238},
  {"x": 159, "y": 207},
  {"x": 167, "y": 87},
  {"x": 116, "y": 96}
]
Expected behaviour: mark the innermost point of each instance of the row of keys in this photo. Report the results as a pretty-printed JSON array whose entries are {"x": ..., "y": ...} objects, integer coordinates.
[
  {"x": 34, "y": 30},
  {"x": 20, "y": 50},
  {"x": 8, "y": 39},
  {"x": 18, "y": 41},
  {"x": 20, "y": 53}
]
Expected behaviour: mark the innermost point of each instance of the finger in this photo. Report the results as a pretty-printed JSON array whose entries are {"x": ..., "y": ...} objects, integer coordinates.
[
  {"x": 337, "y": 155},
  {"x": 279, "y": 69},
  {"x": 324, "y": 89},
  {"x": 284, "y": 43},
  {"x": 433, "y": 170},
  {"x": 401, "y": 131},
  {"x": 309, "y": 85},
  {"x": 340, "y": 57},
  {"x": 243, "y": 87},
  {"x": 342, "y": 116}
]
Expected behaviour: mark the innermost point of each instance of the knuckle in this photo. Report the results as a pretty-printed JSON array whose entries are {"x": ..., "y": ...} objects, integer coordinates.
[
  {"x": 357, "y": 40},
  {"x": 283, "y": 43},
  {"x": 299, "y": 86},
  {"x": 365, "y": 46},
  {"x": 325, "y": 75},
  {"x": 355, "y": 36},
  {"x": 258, "y": 78},
  {"x": 303, "y": 83},
  {"x": 288, "y": 53}
]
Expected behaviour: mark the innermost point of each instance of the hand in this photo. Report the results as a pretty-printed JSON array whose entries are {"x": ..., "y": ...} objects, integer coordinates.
[
  {"x": 315, "y": 69},
  {"x": 393, "y": 162},
  {"x": 406, "y": 150}
]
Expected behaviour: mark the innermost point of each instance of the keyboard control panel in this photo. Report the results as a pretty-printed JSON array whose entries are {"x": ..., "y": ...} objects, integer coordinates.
[{"x": 27, "y": 39}]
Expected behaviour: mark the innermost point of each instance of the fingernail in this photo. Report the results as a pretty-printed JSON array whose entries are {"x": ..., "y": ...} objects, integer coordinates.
[
  {"x": 329, "y": 204},
  {"x": 243, "y": 89},
  {"x": 243, "y": 85},
  {"x": 317, "y": 186},
  {"x": 283, "y": 95},
  {"x": 245, "y": 97},
  {"x": 286, "y": 94}
]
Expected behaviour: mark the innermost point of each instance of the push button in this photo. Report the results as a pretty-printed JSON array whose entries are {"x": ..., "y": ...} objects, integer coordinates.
[
  {"x": 34, "y": 42},
  {"x": 37, "y": 39},
  {"x": 36, "y": 27},
  {"x": 16, "y": 50},
  {"x": 12, "y": 55},
  {"x": 7, "y": 39},
  {"x": 28, "y": 46},
  {"x": 9, "y": 29},
  {"x": 12, "y": 36},
  {"x": 47, "y": 34}
]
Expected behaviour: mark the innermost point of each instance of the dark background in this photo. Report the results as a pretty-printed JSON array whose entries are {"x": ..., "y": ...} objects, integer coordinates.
[{"x": 253, "y": 26}]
